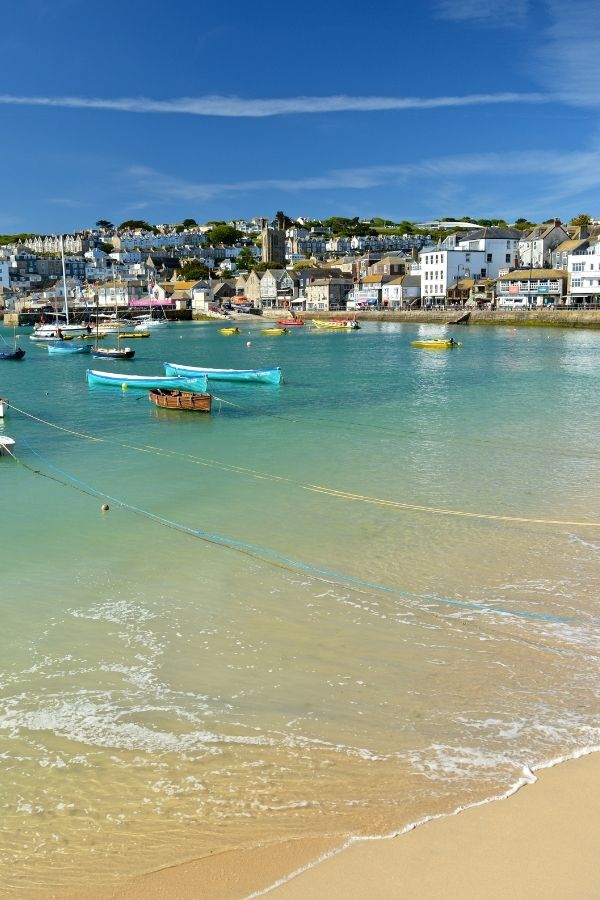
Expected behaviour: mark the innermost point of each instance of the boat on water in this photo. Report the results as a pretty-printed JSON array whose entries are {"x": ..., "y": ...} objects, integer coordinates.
[
  {"x": 290, "y": 323},
  {"x": 132, "y": 334},
  {"x": 261, "y": 376},
  {"x": 147, "y": 382},
  {"x": 113, "y": 352},
  {"x": 436, "y": 344},
  {"x": 336, "y": 324},
  {"x": 229, "y": 330},
  {"x": 4, "y": 404},
  {"x": 143, "y": 323},
  {"x": 67, "y": 347},
  {"x": 6, "y": 443},
  {"x": 273, "y": 331},
  {"x": 17, "y": 353},
  {"x": 176, "y": 399}
]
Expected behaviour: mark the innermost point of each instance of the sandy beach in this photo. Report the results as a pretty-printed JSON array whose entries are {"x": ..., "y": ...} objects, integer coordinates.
[{"x": 541, "y": 842}]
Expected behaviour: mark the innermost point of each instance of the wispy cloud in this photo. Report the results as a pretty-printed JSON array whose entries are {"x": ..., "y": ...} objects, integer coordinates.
[
  {"x": 567, "y": 58},
  {"x": 495, "y": 14},
  {"x": 261, "y": 108}
]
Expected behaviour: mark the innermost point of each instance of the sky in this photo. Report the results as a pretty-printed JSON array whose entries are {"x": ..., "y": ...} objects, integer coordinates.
[{"x": 162, "y": 112}]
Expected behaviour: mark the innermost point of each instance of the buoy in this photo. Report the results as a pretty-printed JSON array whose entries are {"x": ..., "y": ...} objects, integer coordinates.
[
  {"x": 123, "y": 387},
  {"x": 248, "y": 343},
  {"x": 105, "y": 507}
]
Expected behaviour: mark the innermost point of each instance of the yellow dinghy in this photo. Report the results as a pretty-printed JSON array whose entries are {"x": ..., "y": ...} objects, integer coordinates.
[
  {"x": 229, "y": 330},
  {"x": 126, "y": 335},
  {"x": 436, "y": 344},
  {"x": 273, "y": 330}
]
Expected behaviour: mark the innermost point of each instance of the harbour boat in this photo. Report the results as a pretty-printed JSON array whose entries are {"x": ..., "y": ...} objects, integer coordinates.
[
  {"x": 290, "y": 323},
  {"x": 229, "y": 330},
  {"x": 143, "y": 323},
  {"x": 6, "y": 443},
  {"x": 4, "y": 404},
  {"x": 273, "y": 331},
  {"x": 336, "y": 324},
  {"x": 175, "y": 399},
  {"x": 68, "y": 347},
  {"x": 17, "y": 353},
  {"x": 436, "y": 344},
  {"x": 147, "y": 382},
  {"x": 113, "y": 352},
  {"x": 262, "y": 376},
  {"x": 132, "y": 334},
  {"x": 50, "y": 335}
]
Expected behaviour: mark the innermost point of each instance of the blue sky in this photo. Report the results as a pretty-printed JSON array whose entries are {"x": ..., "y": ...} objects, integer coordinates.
[{"x": 214, "y": 111}]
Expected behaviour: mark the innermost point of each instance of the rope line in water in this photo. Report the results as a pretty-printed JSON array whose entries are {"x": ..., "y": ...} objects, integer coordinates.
[
  {"x": 320, "y": 489},
  {"x": 278, "y": 559}
]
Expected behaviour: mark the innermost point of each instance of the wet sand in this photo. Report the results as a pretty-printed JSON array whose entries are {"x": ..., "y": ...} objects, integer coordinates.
[{"x": 541, "y": 842}]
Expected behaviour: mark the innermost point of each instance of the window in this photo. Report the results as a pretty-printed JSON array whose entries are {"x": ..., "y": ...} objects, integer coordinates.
[
  {"x": 507, "y": 258},
  {"x": 578, "y": 267},
  {"x": 576, "y": 282},
  {"x": 489, "y": 257}
]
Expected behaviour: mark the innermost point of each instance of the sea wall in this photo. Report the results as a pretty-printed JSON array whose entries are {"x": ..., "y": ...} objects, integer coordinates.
[{"x": 528, "y": 317}]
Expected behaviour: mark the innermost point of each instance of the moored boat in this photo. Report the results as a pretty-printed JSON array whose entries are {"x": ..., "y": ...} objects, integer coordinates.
[
  {"x": 67, "y": 347},
  {"x": 4, "y": 404},
  {"x": 132, "y": 334},
  {"x": 262, "y": 376},
  {"x": 17, "y": 353},
  {"x": 436, "y": 343},
  {"x": 229, "y": 330},
  {"x": 6, "y": 443},
  {"x": 117, "y": 379},
  {"x": 336, "y": 324},
  {"x": 176, "y": 399},
  {"x": 113, "y": 352},
  {"x": 290, "y": 323},
  {"x": 273, "y": 331}
]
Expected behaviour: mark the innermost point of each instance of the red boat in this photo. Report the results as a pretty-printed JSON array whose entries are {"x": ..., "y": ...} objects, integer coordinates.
[{"x": 286, "y": 323}]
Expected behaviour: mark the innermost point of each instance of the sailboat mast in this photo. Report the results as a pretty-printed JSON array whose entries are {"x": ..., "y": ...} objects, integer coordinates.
[{"x": 64, "y": 274}]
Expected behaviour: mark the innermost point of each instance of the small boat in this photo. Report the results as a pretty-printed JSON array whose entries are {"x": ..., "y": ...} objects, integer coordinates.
[
  {"x": 230, "y": 330},
  {"x": 4, "y": 404},
  {"x": 17, "y": 353},
  {"x": 113, "y": 352},
  {"x": 336, "y": 324},
  {"x": 175, "y": 399},
  {"x": 68, "y": 347},
  {"x": 177, "y": 382},
  {"x": 263, "y": 376},
  {"x": 50, "y": 337},
  {"x": 290, "y": 323},
  {"x": 273, "y": 331},
  {"x": 5, "y": 443},
  {"x": 148, "y": 321},
  {"x": 49, "y": 329},
  {"x": 436, "y": 344},
  {"x": 132, "y": 334}
]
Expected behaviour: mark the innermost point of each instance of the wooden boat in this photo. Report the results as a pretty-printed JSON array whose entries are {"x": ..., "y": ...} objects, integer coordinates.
[
  {"x": 17, "y": 353},
  {"x": 290, "y": 323},
  {"x": 230, "y": 330},
  {"x": 336, "y": 324},
  {"x": 436, "y": 344},
  {"x": 113, "y": 352},
  {"x": 273, "y": 331},
  {"x": 262, "y": 376},
  {"x": 68, "y": 347},
  {"x": 175, "y": 399},
  {"x": 116, "y": 379}
]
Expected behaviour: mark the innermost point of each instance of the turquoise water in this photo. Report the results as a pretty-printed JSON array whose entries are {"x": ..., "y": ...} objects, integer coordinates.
[{"x": 333, "y": 606}]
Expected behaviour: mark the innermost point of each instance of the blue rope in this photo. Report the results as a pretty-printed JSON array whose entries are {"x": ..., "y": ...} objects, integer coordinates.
[{"x": 266, "y": 553}]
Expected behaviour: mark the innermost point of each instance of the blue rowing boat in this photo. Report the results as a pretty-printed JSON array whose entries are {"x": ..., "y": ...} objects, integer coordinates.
[
  {"x": 147, "y": 382},
  {"x": 68, "y": 347},
  {"x": 261, "y": 376}
]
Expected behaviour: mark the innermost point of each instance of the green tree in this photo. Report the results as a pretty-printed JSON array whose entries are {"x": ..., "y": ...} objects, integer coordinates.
[
  {"x": 193, "y": 271},
  {"x": 245, "y": 259},
  {"x": 134, "y": 224},
  {"x": 104, "y": 224},
  {"x": 189, "y": 223},
  {"x": 581, "y": 219},
  {"x": 223, "y": 234},
  {"x": 523, "y": 224}
]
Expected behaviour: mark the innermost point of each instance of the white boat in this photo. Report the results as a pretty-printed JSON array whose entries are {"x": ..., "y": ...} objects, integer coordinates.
[
  {"x": 49, "y": 331},
  {"x": 4, "y": 404},
  {"x": 143, "y": 323},
  {"x": 6, "y": 443}
]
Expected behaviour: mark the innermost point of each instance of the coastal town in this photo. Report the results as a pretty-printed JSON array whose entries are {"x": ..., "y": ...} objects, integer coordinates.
[{"x": 304, "y": 265}]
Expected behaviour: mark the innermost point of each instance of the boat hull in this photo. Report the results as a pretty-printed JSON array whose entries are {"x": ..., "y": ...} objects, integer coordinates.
[
  {"x": 255, "y": 376},
  {"x": 435, "y": 344},
  {"x": 145, "y": 382},
  {"x": 186, "y": 400},
  {"x": 113, "y": 353},
  {"x": 13, "y": 354},
  {"x": 273, "y": 331},
  {"x": 58, "y": 347},
  {"x": 336, "y": 325},
  {"x": 229, "y": 330}
]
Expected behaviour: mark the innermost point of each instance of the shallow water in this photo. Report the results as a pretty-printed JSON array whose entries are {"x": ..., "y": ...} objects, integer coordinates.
[{"x": 333, "y": 606}]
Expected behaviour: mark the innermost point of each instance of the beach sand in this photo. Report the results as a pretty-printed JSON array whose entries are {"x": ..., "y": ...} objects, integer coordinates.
[{"x": 541, "y": 842}]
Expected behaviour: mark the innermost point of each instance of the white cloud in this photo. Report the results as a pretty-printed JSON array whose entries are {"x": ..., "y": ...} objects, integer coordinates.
[
  {"x": 568, "y": 58},
  {"x": 474, "y": 11},
  {"x": 261, "y": 108}
]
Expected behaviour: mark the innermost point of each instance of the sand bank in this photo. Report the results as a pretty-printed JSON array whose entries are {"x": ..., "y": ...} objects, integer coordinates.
[{"x": 541, "y": 842}]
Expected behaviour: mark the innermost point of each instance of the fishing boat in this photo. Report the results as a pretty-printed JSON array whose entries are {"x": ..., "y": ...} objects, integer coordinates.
[
  {"x": 336, "y": 324},
  {"x": 68, "y": 347},
  {"x": 261, "y": 376},
  {"x": 290, "y": 323},
  {"x": 147, "y": 382},
  {"x": 273, "y": 331},
  {"x": 436, "y": 344},
  {"x": 113, "y": 352},
  {"x": 175, "y": 399},
  {"x": 4, "y": 404},
  {"x": 229, "y": 330}
]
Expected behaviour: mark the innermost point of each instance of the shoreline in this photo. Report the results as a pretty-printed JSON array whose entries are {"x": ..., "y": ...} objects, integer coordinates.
[{"x": 539, "y": 842}]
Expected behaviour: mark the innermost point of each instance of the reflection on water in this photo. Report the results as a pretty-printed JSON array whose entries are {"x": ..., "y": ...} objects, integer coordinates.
[{"x": 166, "y": 695}]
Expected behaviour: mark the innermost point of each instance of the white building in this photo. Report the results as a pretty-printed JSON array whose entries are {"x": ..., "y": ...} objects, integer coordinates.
[
  {"x": 584, "y": 272},
  {"x": 500, "y": 245},
  {"x": 441, "y": 268},
  {"x": 4, "y": 274}
]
